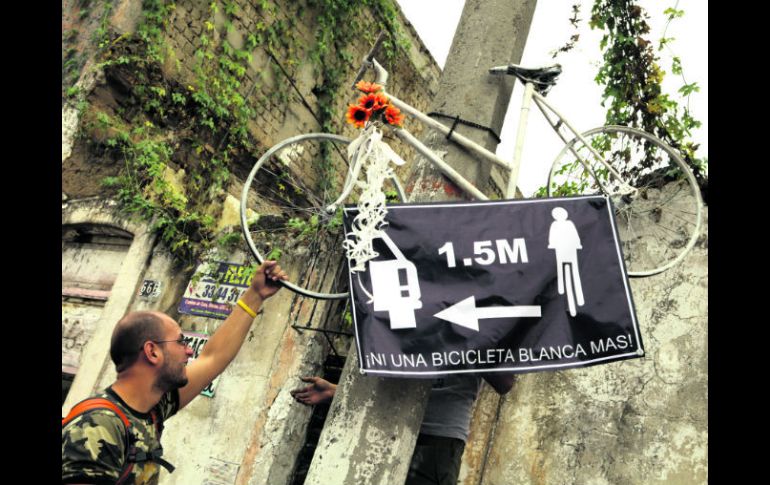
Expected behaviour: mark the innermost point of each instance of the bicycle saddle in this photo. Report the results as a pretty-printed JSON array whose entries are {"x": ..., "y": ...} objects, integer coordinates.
[{"x": 543, "y": 78}]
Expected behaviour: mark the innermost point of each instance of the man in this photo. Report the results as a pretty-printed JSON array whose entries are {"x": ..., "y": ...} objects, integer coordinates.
[
  {"x": 153, "y": 383},
  {"x": 445, "y": 425}
]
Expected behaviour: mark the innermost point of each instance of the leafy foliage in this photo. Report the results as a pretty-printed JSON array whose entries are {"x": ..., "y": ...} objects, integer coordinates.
[
  {"x": 204, "y": 127},
  {"x": 631, "y": 75}
]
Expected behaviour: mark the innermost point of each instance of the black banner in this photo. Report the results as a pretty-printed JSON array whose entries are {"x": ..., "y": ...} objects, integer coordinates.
[{"x": 515, "y": 286}]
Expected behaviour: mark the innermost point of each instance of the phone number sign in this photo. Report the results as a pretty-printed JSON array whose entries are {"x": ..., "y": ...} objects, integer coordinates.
[
  {"x": 196, "y": 341},
  {"x": 515, "y": 286},
  {"x": 214, "y": 288}
]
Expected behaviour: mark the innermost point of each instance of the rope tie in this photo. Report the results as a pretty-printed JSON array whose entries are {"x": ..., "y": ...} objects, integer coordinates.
[{"x": 457, "y": 119}]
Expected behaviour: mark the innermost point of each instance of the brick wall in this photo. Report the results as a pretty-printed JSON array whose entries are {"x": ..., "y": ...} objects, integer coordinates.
[
  {"x": 413, "y": 74},
  {"x": 206, "y": 440}
]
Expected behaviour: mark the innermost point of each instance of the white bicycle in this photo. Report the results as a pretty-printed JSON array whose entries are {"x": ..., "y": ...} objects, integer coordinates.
[{"x": 290, "y": 200}]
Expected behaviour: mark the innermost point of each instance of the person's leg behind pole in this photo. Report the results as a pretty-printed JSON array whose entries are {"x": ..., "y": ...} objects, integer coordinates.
[{"x": 435, "y": 461}]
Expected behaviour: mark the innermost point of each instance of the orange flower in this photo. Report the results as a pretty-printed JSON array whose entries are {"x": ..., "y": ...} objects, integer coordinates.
[
  {"x": 368, "y": 87},
  {"x": 357, "y": 116},
  {"x": 373, "y": 102},
  {"x": 393, "y": 116}
]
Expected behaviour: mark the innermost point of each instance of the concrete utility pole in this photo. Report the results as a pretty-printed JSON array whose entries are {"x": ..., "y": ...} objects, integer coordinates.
[
  {"x": 490, "y": 33},
  {"x": 373, "y": 422}
]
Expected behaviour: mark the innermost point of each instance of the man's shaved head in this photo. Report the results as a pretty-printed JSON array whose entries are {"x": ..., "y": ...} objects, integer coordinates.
[{"x": 131, "y": 332}]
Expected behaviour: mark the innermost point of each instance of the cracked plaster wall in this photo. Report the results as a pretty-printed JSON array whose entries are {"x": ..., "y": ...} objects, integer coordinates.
[
  {"x": 251, "y": 427},
  {"x": 636, "y": 422},
  {"x": 251, "y": 431},
  {"x": 639, "y": 421}
]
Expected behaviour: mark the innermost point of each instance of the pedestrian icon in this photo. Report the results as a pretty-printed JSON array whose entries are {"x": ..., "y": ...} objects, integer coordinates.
[{"x": 564, "y": 239}]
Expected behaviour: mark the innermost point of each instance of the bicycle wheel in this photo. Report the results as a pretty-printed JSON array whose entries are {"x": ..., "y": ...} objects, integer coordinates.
[
  {"x": 660, "y": 221},
  {"x": 284, "y": 216}
]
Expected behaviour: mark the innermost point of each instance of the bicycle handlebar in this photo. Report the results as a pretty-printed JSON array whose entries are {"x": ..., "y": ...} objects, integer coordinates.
[{"x": 368, "y": 58}]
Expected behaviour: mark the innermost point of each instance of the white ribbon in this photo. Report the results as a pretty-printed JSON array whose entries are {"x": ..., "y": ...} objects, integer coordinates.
[{"x": 370, "y": 220}]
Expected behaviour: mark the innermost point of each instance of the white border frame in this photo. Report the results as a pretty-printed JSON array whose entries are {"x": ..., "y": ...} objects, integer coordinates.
[{"x": 585, "y": 363}]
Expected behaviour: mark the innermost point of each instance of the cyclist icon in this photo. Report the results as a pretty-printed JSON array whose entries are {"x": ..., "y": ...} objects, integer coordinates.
[{"x": 564, "y": 239}]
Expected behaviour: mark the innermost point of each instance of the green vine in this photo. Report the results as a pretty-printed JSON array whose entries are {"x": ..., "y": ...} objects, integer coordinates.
[
  {"x": 176, "y": 144},
  {"x": 212, "y": 117},
  {"x": 632, "y": 77},
  {"x": 570, "y": 44},
  {"x": 340, "y": 25},
  {"x": 83, "y": 14}
]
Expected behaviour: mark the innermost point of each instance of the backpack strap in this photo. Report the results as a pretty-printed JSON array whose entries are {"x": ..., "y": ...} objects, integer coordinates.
[
  {"x": 96, "y": 403},
  {"x": 156, "y": 422},
  {"x": 92, "y": 403},
  {"x": 138, "y": 456},
  {"x": 157, "y": 453}
]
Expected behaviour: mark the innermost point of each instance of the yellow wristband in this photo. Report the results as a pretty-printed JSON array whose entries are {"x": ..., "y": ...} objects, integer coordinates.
[{"x": 247, "y": 309}]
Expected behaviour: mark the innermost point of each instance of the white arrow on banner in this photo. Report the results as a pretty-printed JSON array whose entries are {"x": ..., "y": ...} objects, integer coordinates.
[{"x": 465, "y": 313}]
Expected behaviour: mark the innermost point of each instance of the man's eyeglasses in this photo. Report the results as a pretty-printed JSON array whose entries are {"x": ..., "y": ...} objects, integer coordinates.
[{"x": 181, "y": 341}]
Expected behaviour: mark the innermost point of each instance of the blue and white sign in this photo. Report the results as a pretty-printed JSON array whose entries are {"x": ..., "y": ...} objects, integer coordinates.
[
  {"x": 513, "y": 286},
  {"x": 215, "y": 287},
  {"x": 197, "y": 341}
]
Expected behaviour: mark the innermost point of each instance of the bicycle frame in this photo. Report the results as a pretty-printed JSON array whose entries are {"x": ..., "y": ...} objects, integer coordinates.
[
  {"x": 369, "y": 145},
  {"x": 530, "y": 95}
]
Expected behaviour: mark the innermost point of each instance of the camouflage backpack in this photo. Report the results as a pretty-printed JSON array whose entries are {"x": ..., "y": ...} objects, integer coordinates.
[{"x": 133, "y": 455}]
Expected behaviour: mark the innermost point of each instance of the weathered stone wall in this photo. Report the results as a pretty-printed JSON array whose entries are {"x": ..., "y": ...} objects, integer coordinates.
[
  {"x": 279, "y": 83},
  {"x": 91, "y": 262},
  {"x": 251, "y": 431},
  {"x": 414, "y": 75},
  {"x": 94, "y": 354},
  {"x": 639, "y": 421}
]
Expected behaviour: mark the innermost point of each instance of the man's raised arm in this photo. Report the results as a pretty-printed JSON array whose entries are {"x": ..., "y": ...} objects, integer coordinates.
[{"x": 222, "y": 347}]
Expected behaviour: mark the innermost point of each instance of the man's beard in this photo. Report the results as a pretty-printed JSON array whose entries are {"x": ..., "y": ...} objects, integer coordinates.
[{"x": 169, "y": 378}]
